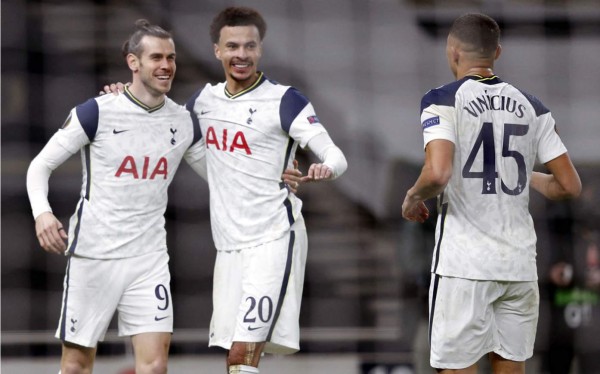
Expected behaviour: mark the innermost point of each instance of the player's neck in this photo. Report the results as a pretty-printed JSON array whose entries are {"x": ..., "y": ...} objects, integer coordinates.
[
  {"x": 145, "y": 97},
  {"x": 234, "y": 86},
  {"x": 475, "y": 71}
]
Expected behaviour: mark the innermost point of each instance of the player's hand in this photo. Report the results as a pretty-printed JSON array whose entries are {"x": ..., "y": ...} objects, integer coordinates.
[
  {"x": 317, "y": 172},
  {"x": 292, "y": 178},
  {"x": 114, "y": 88},
  {"x": 414, "y": 211},
  {"x": 50, "y": 233}
]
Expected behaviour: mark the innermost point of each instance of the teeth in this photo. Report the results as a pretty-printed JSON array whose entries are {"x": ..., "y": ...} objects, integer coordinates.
[{"x": 162, "y": 76}]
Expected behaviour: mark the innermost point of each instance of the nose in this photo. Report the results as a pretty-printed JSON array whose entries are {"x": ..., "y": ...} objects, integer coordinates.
[
  {"x": 167, "y": 64},
  {"x": 242, "y": 52}
]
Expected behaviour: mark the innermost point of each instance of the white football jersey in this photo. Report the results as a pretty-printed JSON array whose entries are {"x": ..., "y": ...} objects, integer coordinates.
[
  {"x": 251, "y": 138},
  {"x": 130, "y": 153},
  {"x": 484, "y": 229}
]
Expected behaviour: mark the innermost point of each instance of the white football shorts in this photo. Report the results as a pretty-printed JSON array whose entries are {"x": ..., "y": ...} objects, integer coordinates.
[
  {"x": 469, "y": 318},
  {"x": 137, "y": 287},
  {"x": 257, "y": 293}
]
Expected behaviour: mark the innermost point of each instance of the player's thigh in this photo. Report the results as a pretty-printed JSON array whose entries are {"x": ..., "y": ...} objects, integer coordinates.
[
  {"x": 462, "y": 327},
  {"x": 516, "y": 314},
  {"x": 146, "y": 304},
  {"x": 92, "y": 290}
]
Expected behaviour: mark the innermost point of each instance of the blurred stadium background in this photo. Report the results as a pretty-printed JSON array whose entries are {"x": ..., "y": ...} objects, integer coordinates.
[{"x": 365, "y": 66}]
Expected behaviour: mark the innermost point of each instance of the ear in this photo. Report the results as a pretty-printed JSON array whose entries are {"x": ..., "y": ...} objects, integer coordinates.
[
  {"x": 454, "y": 54},
  {"x": 133, "y": 62},
  {"x": 217, "y": 51},
  {"x": 498, "y": 52}
]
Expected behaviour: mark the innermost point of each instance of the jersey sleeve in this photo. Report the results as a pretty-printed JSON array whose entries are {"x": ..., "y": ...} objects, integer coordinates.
[
  {"x": 298, "y": 117},
  {"x": 329, "y": 154},
  {"x": 80, "y": 127},
  {"x": 195, "y": 156},
  {"x": 437, "y": 122},
  {"x": 550, "y": 146},
  {"x": 63, "y": 144}
]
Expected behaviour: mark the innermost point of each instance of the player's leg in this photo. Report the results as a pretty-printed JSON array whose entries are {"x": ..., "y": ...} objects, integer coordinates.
[
  {"x": 76, "y": 359},
  {"x": 462, "y": 327},
  {"x": 516, "y": 314},
  {"x": 151, "y": 351},
  {"x": 146, "y": 311},
  {"x": 470, "y": 370},
  {"x": 501, "y": 365},
  {"x": 244, "y": 357},
  {"x": 85, "y": 298}
]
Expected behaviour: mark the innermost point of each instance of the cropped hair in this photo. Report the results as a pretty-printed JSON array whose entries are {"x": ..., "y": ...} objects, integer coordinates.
[
  {"x": 478, "y": 31},
  {"x": 237, "y": 16},
  {"x": 143, "y": 28}
]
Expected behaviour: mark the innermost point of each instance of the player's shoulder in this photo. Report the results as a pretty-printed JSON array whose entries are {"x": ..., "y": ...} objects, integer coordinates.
[
  {"x": 175, "y": 107},
  {"x": 443, "y": 95},
  {"x": 535, "y": 103}
]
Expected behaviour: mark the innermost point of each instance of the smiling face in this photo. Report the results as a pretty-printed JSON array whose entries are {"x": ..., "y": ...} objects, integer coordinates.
[
  {"x": 154, "y": 69},
  {"x": 239, "y": 49}
]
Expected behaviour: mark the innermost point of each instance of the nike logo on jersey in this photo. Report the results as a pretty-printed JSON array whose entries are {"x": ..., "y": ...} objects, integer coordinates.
[
  {"x": 115, "y": 131},
  {"x": 250, "y": 328},
  {"x": 203, "y": 112},
  {"x": 157, "y": 318}
]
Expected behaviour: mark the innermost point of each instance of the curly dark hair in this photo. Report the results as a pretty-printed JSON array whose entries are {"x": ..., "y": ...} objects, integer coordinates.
[{"x": 237, "y": 16}]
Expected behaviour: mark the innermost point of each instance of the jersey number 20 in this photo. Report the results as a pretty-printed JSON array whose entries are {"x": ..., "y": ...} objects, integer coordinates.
[{"x": 489, "y": 174}]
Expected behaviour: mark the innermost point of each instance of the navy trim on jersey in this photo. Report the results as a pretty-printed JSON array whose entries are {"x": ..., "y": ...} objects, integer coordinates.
[
  {"x": 88, "y": 115},
  {"x": 439, "y": 243},
  {"x": 292, "y": 103},
  {"x": 261, "y": 78},
  {"x": 446, "y": 95},
  {"x": 284, "y": 283},
  {"x": 287, "y": 202},
  {"x": 63, "y": 318},
  {"x": 73, "y": 246},
  {"x": 189, "y": 105},
  {"x": 536, "y": 104},
  {"x": 436, "y": 282},
  {"x": 137, "y": 102},
  {"x": 88, "y": 168}
]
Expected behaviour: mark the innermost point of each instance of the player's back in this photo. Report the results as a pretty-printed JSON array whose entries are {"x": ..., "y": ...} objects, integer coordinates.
[{"x": 498, "y": 132}]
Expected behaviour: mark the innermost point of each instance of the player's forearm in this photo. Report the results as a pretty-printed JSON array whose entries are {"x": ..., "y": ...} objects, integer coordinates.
[
  {"x": 429, "y": 185},
  {"x": 329, "y": 154},
  {"x": 38, "y": 175},
  {"x": 39, "y": 172},
  {"x": 548, "y": 185}
]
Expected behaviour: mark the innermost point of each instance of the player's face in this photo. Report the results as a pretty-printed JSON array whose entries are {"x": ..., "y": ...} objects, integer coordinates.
[
  {"x": 157, "y": 65},
  {"x": 239, "y": 50}
]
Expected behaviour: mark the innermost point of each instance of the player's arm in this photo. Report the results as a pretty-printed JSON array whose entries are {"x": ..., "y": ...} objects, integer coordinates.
[
  {"x": 333, "y": 162},
  {"x": 432, "y": 181},
  {"x": 49, "y": 230},
  {"x": 562, "y": 183}
]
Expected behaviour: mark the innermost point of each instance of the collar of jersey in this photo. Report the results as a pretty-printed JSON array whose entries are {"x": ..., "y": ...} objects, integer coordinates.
[
  {"x": 137, "y": 102},
  {"x": 261, "y": 78},
  {"x": 487, "y": 80}
]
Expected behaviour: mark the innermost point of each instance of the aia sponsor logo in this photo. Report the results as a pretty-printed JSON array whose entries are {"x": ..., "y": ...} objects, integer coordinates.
[
  {"x": 226, "y": 142},
  {"x": 143, "y": 169}
]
